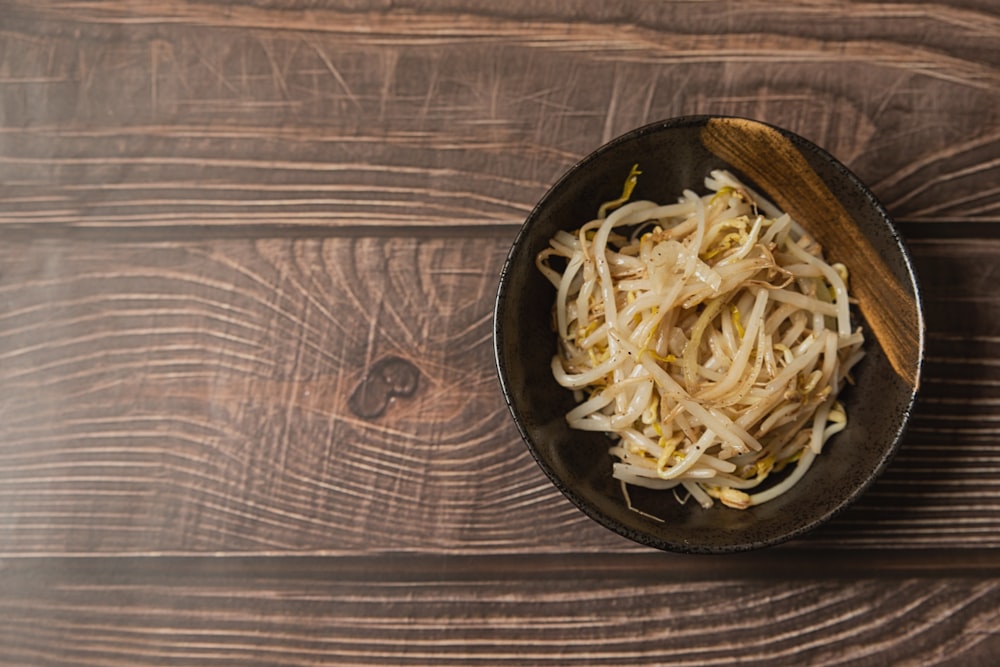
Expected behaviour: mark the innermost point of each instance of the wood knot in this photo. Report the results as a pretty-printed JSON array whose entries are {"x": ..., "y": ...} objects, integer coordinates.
[{"x": 387, "y": 378}]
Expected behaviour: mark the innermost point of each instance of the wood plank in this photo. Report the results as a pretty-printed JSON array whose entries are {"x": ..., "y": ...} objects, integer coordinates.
[
  {"x": 509, "y": 610},
  {"x": 187, "y": 397},
  {"x": 337, "y": 395},
  {"x": 122, "y": 115}
]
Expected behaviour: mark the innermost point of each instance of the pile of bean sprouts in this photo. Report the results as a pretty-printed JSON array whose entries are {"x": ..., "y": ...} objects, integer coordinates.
[{"x": 709, "y": 338}]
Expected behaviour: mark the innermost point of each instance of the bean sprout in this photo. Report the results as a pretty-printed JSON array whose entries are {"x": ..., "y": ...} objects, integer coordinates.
[{"x": 708, "y": 338}]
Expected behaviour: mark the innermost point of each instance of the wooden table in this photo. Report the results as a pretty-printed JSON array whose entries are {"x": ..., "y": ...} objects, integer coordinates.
[{"x": 249, "y": 410}]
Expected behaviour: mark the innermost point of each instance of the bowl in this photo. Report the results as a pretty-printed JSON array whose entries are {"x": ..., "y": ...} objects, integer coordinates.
[{"x": 836, "y": 208}]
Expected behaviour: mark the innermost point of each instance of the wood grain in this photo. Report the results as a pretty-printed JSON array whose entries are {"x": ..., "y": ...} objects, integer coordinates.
[
  {"x": 485, "y": 611},
  {"x": 247, "y": 259},
  {"x": 162, "y": 114},
  {"x": 223, "y": 374}
]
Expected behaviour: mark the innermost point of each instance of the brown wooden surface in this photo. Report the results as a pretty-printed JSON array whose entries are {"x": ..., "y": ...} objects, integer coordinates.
[{"x": 247, "y": 262}]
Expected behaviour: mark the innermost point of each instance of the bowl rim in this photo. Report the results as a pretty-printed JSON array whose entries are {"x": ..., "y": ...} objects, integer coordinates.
[{"x": 639, "y": 536}]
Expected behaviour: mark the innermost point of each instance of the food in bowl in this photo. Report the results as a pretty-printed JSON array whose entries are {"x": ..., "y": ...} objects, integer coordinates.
[
  {"x": 708, "y": 337},
  {"x": 836, "y": 209}
]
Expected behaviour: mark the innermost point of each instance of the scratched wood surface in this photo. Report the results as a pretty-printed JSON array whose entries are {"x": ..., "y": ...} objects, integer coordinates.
[{"x": 247, "y": 261}]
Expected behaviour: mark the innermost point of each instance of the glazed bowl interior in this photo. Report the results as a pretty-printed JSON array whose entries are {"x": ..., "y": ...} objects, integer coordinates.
[{"x": 675, "y": 155}]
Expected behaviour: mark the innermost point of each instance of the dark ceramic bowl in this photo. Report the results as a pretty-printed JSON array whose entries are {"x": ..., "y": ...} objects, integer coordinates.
[{"x": 833, "y": 205}]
